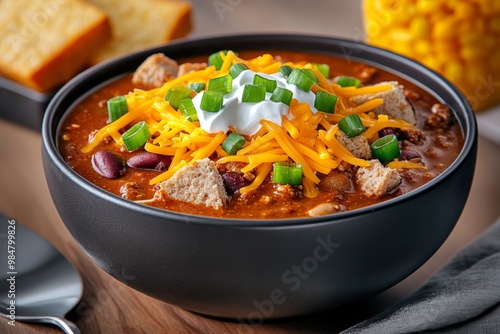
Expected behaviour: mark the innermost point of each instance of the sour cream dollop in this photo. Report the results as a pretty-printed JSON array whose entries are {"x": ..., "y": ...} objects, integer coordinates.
[{"x": 245, "y": 117}]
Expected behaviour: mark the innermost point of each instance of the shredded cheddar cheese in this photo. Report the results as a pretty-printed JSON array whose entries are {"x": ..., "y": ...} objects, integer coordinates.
[{"x": 304, "y": 136}]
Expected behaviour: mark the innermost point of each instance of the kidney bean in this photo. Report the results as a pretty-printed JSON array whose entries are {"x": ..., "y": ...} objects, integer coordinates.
[
  {"x": 233, "y": 181},
  {"x": 409, "y": 155},
  {"x": 148, "y": 160},
  {"x": 386, "y": 131},
  {"x": 108, "y": 164}
]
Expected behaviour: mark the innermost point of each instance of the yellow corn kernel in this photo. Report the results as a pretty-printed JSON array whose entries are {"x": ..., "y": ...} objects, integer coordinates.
[
  {"x": 444, "y": 29},
  {"x": 422, "y": 48},
  {"x": 454, "y": 71},
  {"x": 428, "y": 6},
  {"x": 473, "y": 54},
  {"x": 433, "y": 62},
  {"x": 458, "y": 38},
  {"x": 419, "y": 27},
  {"x": 464, "y": 10}
]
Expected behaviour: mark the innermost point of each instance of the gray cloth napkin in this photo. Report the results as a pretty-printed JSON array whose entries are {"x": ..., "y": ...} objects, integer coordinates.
[{"x": 463, "y": 297}]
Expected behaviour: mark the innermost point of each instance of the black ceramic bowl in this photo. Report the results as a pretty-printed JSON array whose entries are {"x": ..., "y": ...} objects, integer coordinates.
[{"x": 260, "y": 269}]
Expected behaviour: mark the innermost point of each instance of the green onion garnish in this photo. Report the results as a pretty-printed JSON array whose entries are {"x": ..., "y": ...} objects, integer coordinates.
[
  {"x": 348, "y": 82},
  {"x": 212, "y": 100},
  {"x": 287, "y": 173},
  {"x": 285, "y": 70},
  {"x": 282, "y": 95},
  {"x": 216, "y": 60},
  {"x": 136, "y": 136},
  {"x": 233, "y": 143},
  {"x": 236, "y": 69},
  {"x": 223, "y": 84},
  {"x": 386, "y": 148},
  {"x": 188, "y": 109},
  {"x": 312, "y": 74},
  {"x": 351, "y": 125},
  {"x": 300, "y": 79},
  {"x": 253, "y": 93},
  {"x": 197, "y": 86},
  {"x": 269, "y": 84},
  {"x": 324, "y": 69},
  {"x": 325, "y": 102},
  {"x": 117, "y": 107},
  {"x": 176, "y": 94}
]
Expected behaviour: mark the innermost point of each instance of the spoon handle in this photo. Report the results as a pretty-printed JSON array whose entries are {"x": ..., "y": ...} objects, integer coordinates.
[{"x": 67, "y": 326}]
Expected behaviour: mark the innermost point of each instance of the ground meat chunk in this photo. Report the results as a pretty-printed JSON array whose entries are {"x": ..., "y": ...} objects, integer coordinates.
[
  {"x": 414, "y": 136},
  {"x": 288, "y": 191},
  {"x": 190, "y": 67},
  {"x": 377, "y": 180},
  {"x": 132, "y": 191},
  {"x": 155, "y": 71},
  {"x": 441, "y": 117},
  {"x": 395, "y": 103},
  {"x": 357, "y": 145}
]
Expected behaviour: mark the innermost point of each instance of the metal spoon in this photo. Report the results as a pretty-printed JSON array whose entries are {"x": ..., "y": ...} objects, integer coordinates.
[{"x": 38, "y": 284}]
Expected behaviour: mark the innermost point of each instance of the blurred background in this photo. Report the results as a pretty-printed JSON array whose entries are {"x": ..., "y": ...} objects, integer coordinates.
[{"x": 457, "y": 38}]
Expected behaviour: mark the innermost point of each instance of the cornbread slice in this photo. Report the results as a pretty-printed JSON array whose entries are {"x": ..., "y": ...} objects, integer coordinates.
[
  {"x": 198, "y": 183},
  {"x": 141, "y": 24},
  {"x": 45, "y": 43}
]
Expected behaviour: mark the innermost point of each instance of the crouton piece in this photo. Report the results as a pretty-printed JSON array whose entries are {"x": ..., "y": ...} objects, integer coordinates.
[
  {"x": 357, "y": 145},
  {"x": 46, "y": 43},
  {"x": 395, "y": 103},
  {"x": 198, "y": 183},
  {"x": 155, "y": 71},
  {"x": 141, "y": 24},
  {"x": 377, "y": 180}
]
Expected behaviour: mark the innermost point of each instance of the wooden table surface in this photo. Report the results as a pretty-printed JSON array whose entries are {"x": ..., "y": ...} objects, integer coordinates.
[{"x": 108, "y": 306}]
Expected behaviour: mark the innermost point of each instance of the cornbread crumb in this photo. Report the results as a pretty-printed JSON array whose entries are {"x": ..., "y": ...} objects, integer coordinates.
[
  {"x": 377, "y": 180},
  {"x": 395, "y": 103},
  {"x": 198, "y": 183},
  {"x": 357, "y": 145}
]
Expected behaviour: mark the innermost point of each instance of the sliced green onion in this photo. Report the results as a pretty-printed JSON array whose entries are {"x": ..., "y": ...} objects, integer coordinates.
[
  {"x": 216, "y": 60},
  {"x": 197, "y": 86},
  {"x": 176, "y": 94},
  {"x": 188, "y": 109},
  {"x": 352, "y": 125},
  {"x": 236, "y": 69},
  {"x": 282, "y": 95},
  {"x": 253, "y": 93},
  {"x": 136, "y": 136},
  {"x": 269, "y": 84},
  {"x": 300, "y": 79},
  {"x": 233, "y": 143},
  {"x": 348, "y": 82},
  {"x": 324, "y": 69},
  {"x": 312, "y": 74},
  {"x": 285, "y": 70},
  {"x": 287, "y": 173},
  {"x": 212, "y": 100},
  {"x": 325, "y": 102},
  {"x": 223, "y": 84},
  {"x": 386, "y": 148},
  {"x": 117, "y": 107}
]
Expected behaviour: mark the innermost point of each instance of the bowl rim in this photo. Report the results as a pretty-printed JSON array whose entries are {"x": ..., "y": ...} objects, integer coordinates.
[{"x": 354, "y": 51}]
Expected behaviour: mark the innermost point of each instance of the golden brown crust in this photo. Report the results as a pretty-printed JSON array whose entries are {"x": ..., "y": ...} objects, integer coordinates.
[
  {"x": 141, "y": 24},
  {"x": 49, "y": 45}
]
